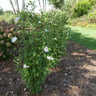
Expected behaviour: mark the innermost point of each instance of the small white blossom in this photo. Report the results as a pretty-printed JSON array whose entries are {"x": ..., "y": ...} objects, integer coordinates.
[
  {"x": 50, "y": 58},
  {"x": 46, "y": 49},
  {"x": 24, "y": 66},
  {"x": 33, "y": 15},
  {"x": 24, "y": 89},
  {"x": 39, "y": 22},
  {"x": 45, "y": 30},
  {"x": 55, "y": 38},
  {"x": 17, "y": 18},
  {"x": 67, "y": 33},
  {"x": 14, "y": 39}
]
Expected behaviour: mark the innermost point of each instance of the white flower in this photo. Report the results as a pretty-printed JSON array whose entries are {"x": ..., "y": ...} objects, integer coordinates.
[
  {"x": 46, "y": 49},
  {"x": 14, "y": 39},
  {"x": 17, "y": 18},
  {"x": 67, "y": 33},
  {"x": 45, "y": 30},
  {"x": 24, "y": 66},
  {"x": 50, "y": 58},
  {"x": 33, "y": 15},
  {"x": 55, "y": 38},
  {"x": 39, "y": 22}
]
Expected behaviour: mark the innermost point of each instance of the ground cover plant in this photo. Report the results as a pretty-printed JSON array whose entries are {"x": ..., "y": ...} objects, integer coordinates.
[{"x": 42, "y": 44}]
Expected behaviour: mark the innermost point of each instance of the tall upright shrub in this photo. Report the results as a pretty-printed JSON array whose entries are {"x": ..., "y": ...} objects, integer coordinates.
[{"x": 42, "y": 44}]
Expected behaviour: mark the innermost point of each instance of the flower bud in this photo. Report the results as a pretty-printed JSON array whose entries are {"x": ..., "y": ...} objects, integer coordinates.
[
  {"x": 1, "y": 36},
  {"x": 7, "y": 31},
  {"x": 12, "y": 29},
  {"x": 9, "y": 35},
  {"x": 14, "y": 33},
  {"x": 18, "y": 32},
  {"x": 5, "y": 35},
  {"x": 2, "y": 42},
  {"x": 8, "y": 44},
  {"x": 1, "y": 53}
]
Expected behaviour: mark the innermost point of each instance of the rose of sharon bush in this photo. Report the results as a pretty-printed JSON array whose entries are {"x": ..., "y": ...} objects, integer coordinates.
[
  {"x": 42, "y": 44},
  {"x": 7, "y": 38}
]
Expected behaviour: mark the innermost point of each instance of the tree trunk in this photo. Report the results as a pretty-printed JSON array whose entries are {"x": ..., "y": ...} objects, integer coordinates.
[
  {"x": 17, "y": 5},
  {"x": 12, "y": 6},
  {"x": 45, "y": 5},
  {"x": 23, "y": 4},
  {"x": 40, "y": 4}
]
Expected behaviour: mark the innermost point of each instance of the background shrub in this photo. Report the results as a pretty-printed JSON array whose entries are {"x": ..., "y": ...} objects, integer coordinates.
[
  {"x": 42, "y": 45},
  {"x": 93, "y": 2},
  {"x": 7, "y": 32},
  {"x": 92, "y": 17},
  {"x": 7, "y": 16},
  {"x": 81, "y": 8}
]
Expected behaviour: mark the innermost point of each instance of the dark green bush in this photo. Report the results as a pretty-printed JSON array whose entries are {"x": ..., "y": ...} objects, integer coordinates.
[
  {"x": 81, "y": 8},
  {"x": 93, "y": 2}
]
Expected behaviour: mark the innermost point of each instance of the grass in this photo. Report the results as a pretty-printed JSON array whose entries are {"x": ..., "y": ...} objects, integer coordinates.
[{"x": 84, "y": 36}]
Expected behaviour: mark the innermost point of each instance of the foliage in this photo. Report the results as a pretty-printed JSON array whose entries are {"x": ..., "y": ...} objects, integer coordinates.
[
  {"x": 1, "y": 11},
  {"x": 7, "y": 16},
  {"x": 82, "y": 24},
  {"x": 91, "y": 26},
  {"x": 92, "y": 17},
  {"x": 93, "y": 2},
  {"x": 67, "y": 5},
  {"x": 57, "y": 3},
  {"x": 42, "y": 45},
  {"x": 7, "y": 32},
  {"x": 74, "y": 21},
  {"x": 81, "y": 8}
]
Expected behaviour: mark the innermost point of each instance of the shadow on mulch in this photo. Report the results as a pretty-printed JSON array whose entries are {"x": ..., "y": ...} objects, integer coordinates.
[{"x": 70, "y": 78}]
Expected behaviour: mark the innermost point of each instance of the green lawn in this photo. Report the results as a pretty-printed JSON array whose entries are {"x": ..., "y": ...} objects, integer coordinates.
[{"x": 84, "y": 36}]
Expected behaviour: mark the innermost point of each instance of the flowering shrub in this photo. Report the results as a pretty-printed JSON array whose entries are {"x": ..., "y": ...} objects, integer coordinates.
[
  {"x": 7, "y": 38},
  {"x": 42, "y": 45}
]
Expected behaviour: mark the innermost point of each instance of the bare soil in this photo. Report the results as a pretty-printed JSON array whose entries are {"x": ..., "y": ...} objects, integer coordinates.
[{"x": 75, "y": 75}]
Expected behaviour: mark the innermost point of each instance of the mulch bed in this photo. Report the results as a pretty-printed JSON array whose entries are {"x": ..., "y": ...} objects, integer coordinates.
[{"x": 75, "y": 75}]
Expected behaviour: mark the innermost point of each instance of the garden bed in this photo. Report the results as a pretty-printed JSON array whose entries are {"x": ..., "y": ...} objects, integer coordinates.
[{"x": 75, "y": 75}]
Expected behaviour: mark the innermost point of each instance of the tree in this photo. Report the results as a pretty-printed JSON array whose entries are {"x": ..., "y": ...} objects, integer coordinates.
[
  {"x": 1, "y": 11},
  {"x": 12, "y": 6},
  {"x": 44, "y": 5},
  {"x": 57, "y": 3},
  {"x": 23, "y": 4},
  {"x": 16, "y": 7}
]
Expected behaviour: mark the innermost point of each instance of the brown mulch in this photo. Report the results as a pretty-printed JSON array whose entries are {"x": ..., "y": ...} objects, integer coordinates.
[{"x": 74, "y": 76}]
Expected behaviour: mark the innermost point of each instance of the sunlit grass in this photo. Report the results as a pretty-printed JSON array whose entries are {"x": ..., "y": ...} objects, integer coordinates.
[{"x": 84, "y": 36}]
